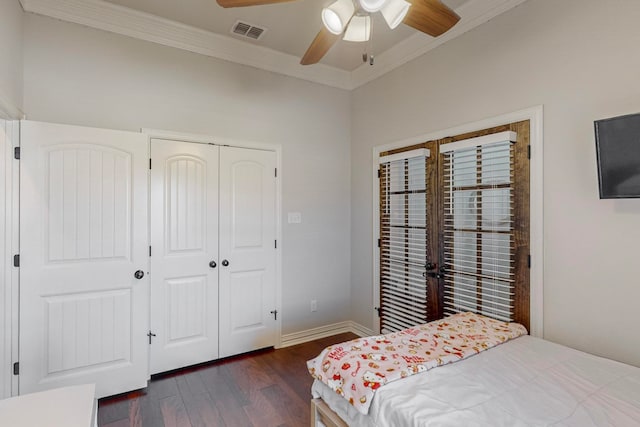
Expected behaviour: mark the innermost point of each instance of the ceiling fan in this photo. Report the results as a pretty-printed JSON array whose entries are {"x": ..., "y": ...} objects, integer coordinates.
[{"x": 352, "y": 18}]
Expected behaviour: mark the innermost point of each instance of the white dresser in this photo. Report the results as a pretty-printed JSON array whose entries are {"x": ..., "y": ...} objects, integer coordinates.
[{"x": 74, "y": 406}]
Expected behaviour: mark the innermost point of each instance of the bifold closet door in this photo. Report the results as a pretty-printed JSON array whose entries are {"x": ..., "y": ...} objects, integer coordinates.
[
  {"x": 184, "y": 248},
  {"x": 247, "y": 250},
  {"x": 84, "y": 258}
]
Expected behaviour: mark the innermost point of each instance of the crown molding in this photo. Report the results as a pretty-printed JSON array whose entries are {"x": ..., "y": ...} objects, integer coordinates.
[
  {"x": 8, "y": 110},
  {"x": 122, "y": 20},
  {"x": 144, "y": 26},
  {"x": 473, "y": 13}
]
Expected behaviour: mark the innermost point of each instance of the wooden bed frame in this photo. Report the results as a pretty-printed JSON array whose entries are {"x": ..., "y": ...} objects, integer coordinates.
[{"x": 320, "y": 411}]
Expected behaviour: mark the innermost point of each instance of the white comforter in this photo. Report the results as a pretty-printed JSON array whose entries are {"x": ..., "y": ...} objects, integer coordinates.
[{"x": 524, "y": 382}]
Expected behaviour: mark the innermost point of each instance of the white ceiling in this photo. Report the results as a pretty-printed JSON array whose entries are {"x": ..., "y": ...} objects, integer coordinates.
[
  {"x": 290, "y": 26},
  {"x": 203, "y": 27}
]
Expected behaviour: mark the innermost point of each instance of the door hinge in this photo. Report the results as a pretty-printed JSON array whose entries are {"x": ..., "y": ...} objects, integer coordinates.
[
  {"x": 378, "y": 310},
  {"x": 16, "y": 260},
  {"x": 379, "y": 243},
  {"x": 150, "y": 335},
  {"x": 149, "y": 163},
  {"x": 275, "y": 244},
  {"x": 276, "y": 172},
  {"x": 528, "y": 151},
  {"x": 275, "y": 314},
  {"x": 16, "y": 153},
  {"x": 149, "y": 250},
  {"x": 378, "y": 173},
  {"x": 16, "y": 368},
  {"x": 528, "y": 261}
]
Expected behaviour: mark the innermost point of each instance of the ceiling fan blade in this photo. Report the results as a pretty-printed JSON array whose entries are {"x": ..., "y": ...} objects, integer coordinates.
[
  {"x": 243, "y": 3},
  {"x": 431, "y": 17},
  {"x": 319, "y": 47}
]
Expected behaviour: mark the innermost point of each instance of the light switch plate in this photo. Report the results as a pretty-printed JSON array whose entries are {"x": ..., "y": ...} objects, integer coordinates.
[{"x": 294, "y": 217}]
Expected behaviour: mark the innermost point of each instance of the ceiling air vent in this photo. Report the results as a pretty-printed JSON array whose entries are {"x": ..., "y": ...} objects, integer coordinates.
[{"x": 247, "y": 30}]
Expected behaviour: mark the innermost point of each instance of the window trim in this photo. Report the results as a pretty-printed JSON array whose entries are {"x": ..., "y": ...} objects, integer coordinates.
[{"x": 536, "y": 273}]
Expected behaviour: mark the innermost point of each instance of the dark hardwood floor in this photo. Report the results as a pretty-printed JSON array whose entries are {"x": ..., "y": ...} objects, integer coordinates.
[{"x": 263, "y": 388}]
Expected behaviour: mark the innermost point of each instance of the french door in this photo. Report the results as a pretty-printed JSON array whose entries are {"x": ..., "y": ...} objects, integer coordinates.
[
  {"x": 84, "y": 260},
  {"x": 408, "y": 237},
  {"x": 454, "y": 228}
]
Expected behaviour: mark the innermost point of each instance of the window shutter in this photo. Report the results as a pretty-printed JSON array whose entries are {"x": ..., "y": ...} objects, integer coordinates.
[
  {"x": 403, "y": 239},
  {"x": 478, "y": 226}
]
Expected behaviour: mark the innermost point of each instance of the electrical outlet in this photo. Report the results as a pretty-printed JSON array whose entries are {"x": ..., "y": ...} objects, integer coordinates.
[{"x": 314, "y": 305}]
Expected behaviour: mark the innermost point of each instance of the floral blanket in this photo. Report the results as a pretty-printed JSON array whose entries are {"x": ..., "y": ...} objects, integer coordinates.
[{"x": 356, "y": 369}]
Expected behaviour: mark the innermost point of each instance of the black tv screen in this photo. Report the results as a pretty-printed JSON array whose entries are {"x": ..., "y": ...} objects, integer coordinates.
[{"x": 618, "y": 150}]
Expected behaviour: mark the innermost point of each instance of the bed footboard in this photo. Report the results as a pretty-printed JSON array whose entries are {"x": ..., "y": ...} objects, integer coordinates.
[{"x": 320, "y": 412}]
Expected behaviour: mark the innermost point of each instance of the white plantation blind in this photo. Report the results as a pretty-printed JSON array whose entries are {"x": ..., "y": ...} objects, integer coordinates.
[
  {"x": 403, "y": 240},
  {"x": 478, "y": 228}
]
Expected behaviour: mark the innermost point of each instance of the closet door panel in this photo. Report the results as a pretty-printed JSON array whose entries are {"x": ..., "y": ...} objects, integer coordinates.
[
  {"x": 184, "y": 234},
  {"x": 247, "y": 246}
]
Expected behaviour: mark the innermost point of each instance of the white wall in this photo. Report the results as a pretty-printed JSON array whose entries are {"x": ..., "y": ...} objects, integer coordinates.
[
  {"x": 82, "y": 76},
  {"x": 580, "y": 59},
  {"x": 11, "y": 17}
]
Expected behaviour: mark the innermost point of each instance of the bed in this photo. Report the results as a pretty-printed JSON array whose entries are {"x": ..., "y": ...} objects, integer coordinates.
[{"x": 524, "y": 381}]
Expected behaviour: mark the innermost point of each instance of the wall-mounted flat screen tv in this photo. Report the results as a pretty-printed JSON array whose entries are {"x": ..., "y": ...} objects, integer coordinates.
[{"x": 618, "y": 150}]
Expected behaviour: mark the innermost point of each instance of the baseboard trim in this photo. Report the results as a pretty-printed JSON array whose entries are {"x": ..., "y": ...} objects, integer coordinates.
[
  {"x": 323, "y": 332},
  {"x": 361, "y": 331}
]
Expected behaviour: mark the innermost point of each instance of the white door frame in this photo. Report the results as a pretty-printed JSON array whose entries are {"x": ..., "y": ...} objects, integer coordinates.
[
  {"x": 277, "y": 148},
  {"x": 535, "y": 116},
  {"x": 9, "y": 232}
]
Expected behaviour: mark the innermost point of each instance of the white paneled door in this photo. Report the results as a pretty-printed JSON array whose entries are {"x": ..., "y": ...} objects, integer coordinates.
[
  {"x": 184, "y": 247},
  {"x": 247, "y": 250},
  {"x": 84, "y": 258}
]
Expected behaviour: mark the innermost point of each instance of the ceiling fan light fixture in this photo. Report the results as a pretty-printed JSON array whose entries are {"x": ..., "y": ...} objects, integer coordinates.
[
  {"x": 394, "y": 12},
  {"x": 372, "y": 5},
  {"x": 359, "y": 29},
  {"x": 337, "y": 15}
]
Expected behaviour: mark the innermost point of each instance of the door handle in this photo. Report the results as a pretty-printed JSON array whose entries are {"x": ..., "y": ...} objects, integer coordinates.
[
  {"x": 436, "y": 275},
  {"x": 225, "y": 262},
  {"x": 138, "y": 274},
  {"x": 213, "y": 264}
]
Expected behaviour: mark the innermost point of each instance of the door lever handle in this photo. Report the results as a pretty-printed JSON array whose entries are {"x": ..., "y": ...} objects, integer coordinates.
[{"x": 432, "y": 274}]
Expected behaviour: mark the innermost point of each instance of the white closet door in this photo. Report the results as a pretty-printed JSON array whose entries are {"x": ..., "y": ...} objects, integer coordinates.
[
  {"x": 247, "y": 239},
  {"x": 184, "y": 261},
  {"x": 83, "y": 239}
]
